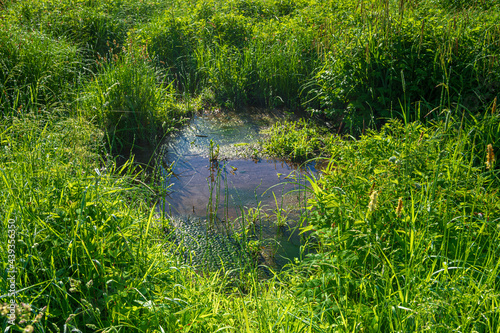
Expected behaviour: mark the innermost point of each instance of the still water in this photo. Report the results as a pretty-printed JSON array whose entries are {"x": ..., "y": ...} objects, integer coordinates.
[{"x": 219, "y": 175}]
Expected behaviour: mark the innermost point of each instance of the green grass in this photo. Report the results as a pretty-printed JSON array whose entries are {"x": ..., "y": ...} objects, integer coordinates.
[
  {"x": 432, "y": 263},
  {"x": 36, "y": 70},
  {"x": 298, "y": 141},
  {"x": 90, "y": 250},
  {"x": 404, "y": 221},
  {"x": 126, "y": 98},
  {"x": 348, "y": 61}
]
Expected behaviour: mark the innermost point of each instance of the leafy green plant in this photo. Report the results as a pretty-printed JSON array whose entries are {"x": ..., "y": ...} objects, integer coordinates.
[
  {"x": 171, "y": 43},
  {"x": 467, "y": 5},
  {"x": 404, "y": 220},
  {"x": 386, "y": 62},
  {"x": 298, "y": 141},
  {"x": 95, "y": 26}
]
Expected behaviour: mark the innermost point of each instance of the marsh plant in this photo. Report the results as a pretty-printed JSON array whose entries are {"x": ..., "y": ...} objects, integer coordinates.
[{"x": 37, "y": 71}]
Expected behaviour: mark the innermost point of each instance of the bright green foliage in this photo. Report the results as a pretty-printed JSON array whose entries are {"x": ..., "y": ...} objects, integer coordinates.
[
  {"x": 297, "y": 141},
  {"x": 92, "y": 25},
  {"x": 405, "y": 220},
  {"x": 36, "y": 70},
  {"x": 465, "y": 4},
  {"x": 248, "y": 52},
  {"x": 91, "y": 252},
  {"x": 350, "y": 61},
  {"x": 407, "y": 228},
  {"x": 170, "y": 42},
  {"x": 127, "y": 101},
  {"x": 382, "y": 58}
]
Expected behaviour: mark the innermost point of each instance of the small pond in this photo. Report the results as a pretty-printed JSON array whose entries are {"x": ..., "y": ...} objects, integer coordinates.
[{"x": 219, "y": 175}]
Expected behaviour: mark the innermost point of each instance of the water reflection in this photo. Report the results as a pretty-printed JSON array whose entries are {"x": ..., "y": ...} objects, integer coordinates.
[{"x": 228, "y": 184}]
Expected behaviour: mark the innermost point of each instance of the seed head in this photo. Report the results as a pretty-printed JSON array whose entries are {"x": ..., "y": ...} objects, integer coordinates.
[
  {"x": 490, "y": 157},
  {"x": 373, "y": 201},
  {"x": 494, "y": 108},
  {"x": 420, "y": 137},
  {"x": 400, "y": 207},
  {"x": 26, "y": 307}
]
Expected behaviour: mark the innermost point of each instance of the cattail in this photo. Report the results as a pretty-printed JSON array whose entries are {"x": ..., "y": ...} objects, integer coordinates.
[
  {"x": 490, "y": 156},
  {"x": 400, "y": 207},
  {"x": 494, "y": 108},
  {"x": 373, "y": 201}
]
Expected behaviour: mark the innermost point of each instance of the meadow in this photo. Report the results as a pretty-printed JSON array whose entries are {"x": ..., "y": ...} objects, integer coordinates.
[{"x": 399, "y": 98}]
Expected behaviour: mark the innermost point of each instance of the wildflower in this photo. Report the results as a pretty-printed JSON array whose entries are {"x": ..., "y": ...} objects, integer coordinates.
[
  {"x": 28, "y": 329},
  {"x": 373, "y": 201},
  {"x": 490, "y": 157},
  {"x": 400, "y": 207}
]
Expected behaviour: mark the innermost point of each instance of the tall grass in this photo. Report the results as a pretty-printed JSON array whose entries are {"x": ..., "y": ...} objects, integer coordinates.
[
  {"x": 258, "y": 60},
  {"x": 90, "y": 251},
  {"x": 347, "y": 60},
  {"x": 384, "y": 56},
  {"x": 127, "y": 99},
  {"x": 36, "y": 70},
  {"x": 406, "y": 221}
]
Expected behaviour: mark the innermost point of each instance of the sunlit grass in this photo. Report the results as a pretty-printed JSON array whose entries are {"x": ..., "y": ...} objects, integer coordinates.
[
  {"x": 404, "y": 220},
  {"x": 407, "y": 225}
]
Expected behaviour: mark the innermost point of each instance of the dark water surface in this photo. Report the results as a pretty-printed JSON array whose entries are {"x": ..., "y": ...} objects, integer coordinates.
[{"x": 231, "y": 183}]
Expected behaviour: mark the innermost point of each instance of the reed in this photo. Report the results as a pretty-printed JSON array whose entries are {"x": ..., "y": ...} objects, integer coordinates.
[{"x": 127, "y": 99}]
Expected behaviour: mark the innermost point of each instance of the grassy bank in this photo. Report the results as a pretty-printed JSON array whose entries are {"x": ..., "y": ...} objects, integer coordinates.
[
  {"x": 348, "y": 61},
  {"x": 404, "y": 220}
]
